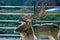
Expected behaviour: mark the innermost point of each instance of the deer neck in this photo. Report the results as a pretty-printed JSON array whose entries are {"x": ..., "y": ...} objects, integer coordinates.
[{"x": 28, "y": 37}]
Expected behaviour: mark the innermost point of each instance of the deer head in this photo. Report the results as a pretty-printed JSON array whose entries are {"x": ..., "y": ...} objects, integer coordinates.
[
  {"x": 23, "y": 27},
  {"x": 27, "y": 22}
]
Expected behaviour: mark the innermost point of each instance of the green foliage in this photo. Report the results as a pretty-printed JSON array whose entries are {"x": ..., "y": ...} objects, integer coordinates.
[
  {"x": 9, "y": 24},
  {"x": 9, "y": 17}
]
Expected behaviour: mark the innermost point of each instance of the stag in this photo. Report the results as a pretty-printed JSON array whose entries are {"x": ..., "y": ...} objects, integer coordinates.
[{"x": 34, "y": 33}]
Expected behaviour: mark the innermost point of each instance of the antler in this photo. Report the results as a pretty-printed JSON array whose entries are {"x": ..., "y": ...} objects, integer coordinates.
[{"x": 41, "y": 14}]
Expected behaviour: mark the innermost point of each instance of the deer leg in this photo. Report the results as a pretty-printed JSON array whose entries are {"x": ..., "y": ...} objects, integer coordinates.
[
  {"x": 54, "y": 33},
  {"x": 51, "y": 38}
]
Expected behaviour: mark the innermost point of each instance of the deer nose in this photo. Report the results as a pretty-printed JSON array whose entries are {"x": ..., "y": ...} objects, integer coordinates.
[{"x": 15, "y": 30}]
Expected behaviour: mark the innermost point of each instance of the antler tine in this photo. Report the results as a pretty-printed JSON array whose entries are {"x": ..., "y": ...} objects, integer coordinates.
[
  {"x": 36, "y": 11},
  {"x": 43, "y": 13}
]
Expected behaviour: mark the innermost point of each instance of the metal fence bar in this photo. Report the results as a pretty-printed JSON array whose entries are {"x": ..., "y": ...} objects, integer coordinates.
[
  {"x": 27, "y": 13},
  {"x": 8, "y": 20},
  {"x": 27, "y": 6},
  {"x": 17, "y": 21},
  {"x": 16, "y": 13},
  {"x": 8, "y": 27},
  {"x": 47, "y": 21},
  {"x": 9, "y": 35}
]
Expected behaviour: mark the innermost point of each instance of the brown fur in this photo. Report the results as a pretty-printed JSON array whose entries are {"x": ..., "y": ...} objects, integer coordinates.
[
  {"x": 29, "y": 32},
  {"x": 47, "y": 30},
  {"x": 39, "y": 30},
  {"x": 26, "y": 32}
]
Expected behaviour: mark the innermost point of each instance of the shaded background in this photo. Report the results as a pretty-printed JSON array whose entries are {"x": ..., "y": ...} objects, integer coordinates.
[{"x": 28, "y": 2}]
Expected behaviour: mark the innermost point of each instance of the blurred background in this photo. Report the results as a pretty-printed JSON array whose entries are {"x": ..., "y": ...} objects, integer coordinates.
[
  {"x": 11, "y": 10},
  {"x": 28, "y": 2}
]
